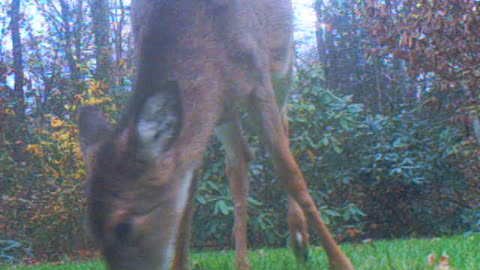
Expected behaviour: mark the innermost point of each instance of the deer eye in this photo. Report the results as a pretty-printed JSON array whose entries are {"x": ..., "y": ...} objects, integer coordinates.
[{"x": 123, "y": 230}]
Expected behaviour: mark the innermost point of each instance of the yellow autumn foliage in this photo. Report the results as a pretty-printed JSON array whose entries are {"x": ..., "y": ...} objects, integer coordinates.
[
  {"x": 50, "y": 188},
  {"x": 34, "y": 149},
  {"x": 56, "y": 122}
]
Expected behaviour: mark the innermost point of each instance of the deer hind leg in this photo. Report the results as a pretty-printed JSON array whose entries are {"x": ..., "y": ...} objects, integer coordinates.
[
  {"x": 181, "y": 259},
  {"x": 265, "y": 112},
  {"x": 237, "y": 157}
]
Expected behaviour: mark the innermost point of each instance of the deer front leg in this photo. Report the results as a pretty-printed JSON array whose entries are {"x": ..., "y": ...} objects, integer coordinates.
[
  {"x": 297, "y": 223},
  {"x": 265, "y": 112},
  {"x": 297, "y": 227},
  {"x": 237, "y": 157},
  {"x": 181, "y": 259}
]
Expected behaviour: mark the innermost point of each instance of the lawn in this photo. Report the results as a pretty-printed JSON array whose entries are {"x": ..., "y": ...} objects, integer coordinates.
[{"x": 411, "y": 254}]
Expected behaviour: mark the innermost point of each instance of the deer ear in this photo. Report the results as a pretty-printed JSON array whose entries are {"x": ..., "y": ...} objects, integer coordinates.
[
  {"x": 159, "y": 120},
  {"x": 93, "y": 130}
]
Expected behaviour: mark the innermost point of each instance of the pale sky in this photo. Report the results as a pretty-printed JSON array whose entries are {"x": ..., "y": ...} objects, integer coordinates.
[
  {"x": 304, "y": 14},
  {"x": 304, "y": 24}
]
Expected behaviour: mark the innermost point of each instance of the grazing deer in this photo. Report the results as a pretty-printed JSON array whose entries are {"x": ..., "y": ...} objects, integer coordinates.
[{"x": 198, "y": 63}]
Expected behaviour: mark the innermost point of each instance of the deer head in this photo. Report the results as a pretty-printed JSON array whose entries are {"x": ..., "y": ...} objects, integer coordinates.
[{"x": 138, "y": 188}]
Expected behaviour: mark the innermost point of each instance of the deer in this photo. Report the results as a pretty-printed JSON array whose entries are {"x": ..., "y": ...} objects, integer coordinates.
[{"x": 199, "y": 63}]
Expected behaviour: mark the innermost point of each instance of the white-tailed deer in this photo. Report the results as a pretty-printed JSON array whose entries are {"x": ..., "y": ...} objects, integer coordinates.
[{"x": 198, "y": 63}]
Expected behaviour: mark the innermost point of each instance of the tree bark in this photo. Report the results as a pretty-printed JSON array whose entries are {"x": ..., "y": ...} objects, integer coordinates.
[
  {"x": 17, "y": 61},
  {"x": 320, "y": 35},
  {"x": 476, "y": 127},
  {"x": 72, "y": 65},
  {"x": 3, "y": 122},
  {"x": 78, "y": 31},
  {"x": 101, "y": 30},
  {"x": 119, "y": 19}
]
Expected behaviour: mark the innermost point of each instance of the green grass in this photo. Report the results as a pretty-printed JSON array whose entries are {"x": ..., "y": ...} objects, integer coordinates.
[{"x": 464, "y": 253}]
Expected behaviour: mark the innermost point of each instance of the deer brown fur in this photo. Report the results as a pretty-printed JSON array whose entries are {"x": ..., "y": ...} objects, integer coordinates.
[{"x": 198, "y": 63}]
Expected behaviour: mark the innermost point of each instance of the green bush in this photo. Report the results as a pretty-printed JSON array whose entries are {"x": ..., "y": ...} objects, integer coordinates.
[{"x": 412, "y": 176}]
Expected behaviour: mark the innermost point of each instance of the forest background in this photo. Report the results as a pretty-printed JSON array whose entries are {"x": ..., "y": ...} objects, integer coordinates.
[{"x": 384, "y": 122}]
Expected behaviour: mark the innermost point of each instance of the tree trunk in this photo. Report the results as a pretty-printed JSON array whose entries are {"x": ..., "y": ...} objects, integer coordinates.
[
  {"x": 78, "y": 31},
  {"x": 320, "y": 35},
  {"x": 3, "y": 122},
  {"x": 3, "y": 90},
  {"x": 378, "y": 87},
  {"x": 17, "y": 61},
  {"x": 476, "y": 127},
  {"x": 101, "y": 30},
  {"x": 72, "y": 65},
  {"x": 119, "y": 19}
]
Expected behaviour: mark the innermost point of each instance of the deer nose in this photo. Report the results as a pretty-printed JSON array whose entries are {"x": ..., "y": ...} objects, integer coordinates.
[{"x": 122, "y": 230}]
